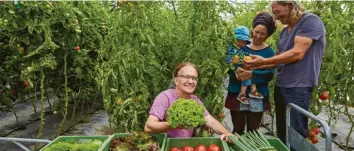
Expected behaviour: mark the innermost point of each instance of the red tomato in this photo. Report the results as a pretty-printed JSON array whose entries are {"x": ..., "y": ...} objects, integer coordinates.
[
  {"x": 174, "y": 149},
  {"x": 13, "y": 92},
  {"x": 324, "y": 95},
  {"x": 311, "y": 134},
  {"x": 316, "y": 130},
  {"x": 77, "y": 48},
  {"x": 25, "y": 83},
  {"x": 314, "y": 140},
  {"x": 187, "y": 148},
  {"x": 214, "y": 147},
  {"x": 200, "y": 148}
]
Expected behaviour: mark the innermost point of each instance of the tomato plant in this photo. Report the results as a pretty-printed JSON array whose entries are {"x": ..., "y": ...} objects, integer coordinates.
[
  {"x": 81, "y": 50},
  {"x": 39, "y": 48}
]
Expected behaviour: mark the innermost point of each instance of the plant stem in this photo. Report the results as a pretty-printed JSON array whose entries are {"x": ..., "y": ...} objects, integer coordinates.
[
  {"x": 75, "y": 103},
  {"x": 40, "y": 132},
  {"x": 61, "y": 127},
  {"x": 346, "y": 104},
  {"x": 174, "y": 9},
  {"x": 50, "y": 105},
  {"x": 16, "y": 117},
  {"x": 34, "y": 100}
]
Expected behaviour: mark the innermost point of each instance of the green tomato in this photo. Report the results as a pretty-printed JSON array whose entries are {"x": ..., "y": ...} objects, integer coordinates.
[
  {"x": 113, "y": 90},
  {"x": 209, "y": 74},
  {"x": 78, "y": 30},
  {"x": 66, "y": 14},
  {"x": 21, "y": 50}
]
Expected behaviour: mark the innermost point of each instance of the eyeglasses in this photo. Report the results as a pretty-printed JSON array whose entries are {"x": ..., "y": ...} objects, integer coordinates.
[{"x": 194, "y": 78}]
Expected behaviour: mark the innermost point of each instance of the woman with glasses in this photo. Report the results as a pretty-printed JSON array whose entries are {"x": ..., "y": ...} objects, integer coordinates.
[{"x": 185, "y": 81}]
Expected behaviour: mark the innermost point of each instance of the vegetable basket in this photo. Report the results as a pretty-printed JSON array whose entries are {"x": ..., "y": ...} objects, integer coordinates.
[
  {"x": 275, "y": 142},
  {"x": 103, "y": 138},
  {"x": 195, "y": 141},
  {"x": 160, "y": 138}
]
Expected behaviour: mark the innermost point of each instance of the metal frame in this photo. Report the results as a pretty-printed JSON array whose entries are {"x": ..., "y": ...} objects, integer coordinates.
[
  {"x": 298, "y": 141},
  {"x": 26, "y": 140}
]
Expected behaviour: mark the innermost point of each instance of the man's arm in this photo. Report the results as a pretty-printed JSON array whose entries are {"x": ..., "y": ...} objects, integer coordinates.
[
  {"x": 269, "y": 66},
  {"x": 153, "y": 125},
  {"x": 301, "y": 45}
]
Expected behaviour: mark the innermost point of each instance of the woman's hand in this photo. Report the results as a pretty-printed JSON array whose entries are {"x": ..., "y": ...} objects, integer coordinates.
[
  {"x": 180, "y": 127},
  {"x": 226, "y": 137},
  {"x": 242, "y": 74},
  {"x": 217, "y": 127}
]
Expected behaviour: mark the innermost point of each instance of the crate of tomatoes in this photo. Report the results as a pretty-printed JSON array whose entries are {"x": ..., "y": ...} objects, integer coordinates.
[{"x": 196, "y": 144}]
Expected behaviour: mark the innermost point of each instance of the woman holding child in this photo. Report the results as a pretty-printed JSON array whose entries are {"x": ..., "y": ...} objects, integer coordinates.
[{"x": 249, "y": 110}]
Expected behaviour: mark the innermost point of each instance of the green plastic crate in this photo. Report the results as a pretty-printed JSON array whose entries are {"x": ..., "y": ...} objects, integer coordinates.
[
  {"x": 103, "y": 138},
  {"x": 275, "y": 142},
  {"x": 160, "y": 137},
  {"x": 195, "y": 141},
  {"x": 278, "y": 144}
]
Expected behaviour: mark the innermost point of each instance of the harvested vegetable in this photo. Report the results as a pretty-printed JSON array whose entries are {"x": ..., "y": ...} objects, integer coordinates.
[
  {"x": 136, "y": 141},
  {"x": 75, "y": 145},
  {"x": 252, "y": 140},
  {"x": 200, "y": 147},
  {"x": 202, "y": 131},
  {"x": 186, "y": 113}
]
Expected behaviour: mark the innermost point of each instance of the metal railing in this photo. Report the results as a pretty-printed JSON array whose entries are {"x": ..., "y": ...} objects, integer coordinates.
[
  {"x": 297, "y": 141},
  {"x": 24, "y": 140}
]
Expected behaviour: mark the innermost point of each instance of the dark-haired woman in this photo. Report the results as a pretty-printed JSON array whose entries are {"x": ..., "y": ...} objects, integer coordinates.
[{"x": 250, "y": 114}]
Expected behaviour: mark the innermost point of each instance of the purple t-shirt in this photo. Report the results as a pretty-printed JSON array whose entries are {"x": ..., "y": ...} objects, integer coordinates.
[
  {"x": 160, "y": 106},
  {"x": 305, "y": 72}
]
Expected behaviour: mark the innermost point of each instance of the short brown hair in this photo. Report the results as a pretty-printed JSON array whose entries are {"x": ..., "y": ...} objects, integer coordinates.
[{"x": 181, "y": 65}]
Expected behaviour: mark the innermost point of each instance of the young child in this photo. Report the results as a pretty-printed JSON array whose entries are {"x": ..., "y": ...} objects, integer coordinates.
[{"x": 233, "y": 57}]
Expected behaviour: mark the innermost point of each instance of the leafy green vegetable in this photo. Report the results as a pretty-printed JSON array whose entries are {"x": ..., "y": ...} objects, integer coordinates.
[
  {"x": 123, "y": 146},
  {"x": 73, "y": 145},
  {"x": 186, "y": 113},
  {"x": 136, "y": 141}
]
